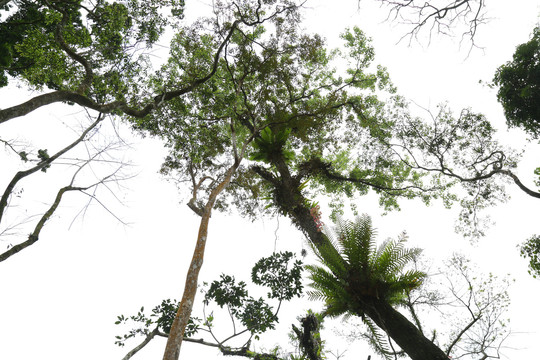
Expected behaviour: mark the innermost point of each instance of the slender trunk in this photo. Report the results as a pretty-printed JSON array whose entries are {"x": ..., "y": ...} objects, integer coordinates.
[
  {"x": 176, "y": 335},
  {"x": 172, "y": 350}
]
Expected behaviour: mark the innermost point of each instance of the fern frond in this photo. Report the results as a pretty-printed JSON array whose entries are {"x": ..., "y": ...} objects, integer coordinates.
[
  {"x": 377, "y": 339},
  {"x": 330, "y": 257},
  {"x": 352, "y": 267},
  {"x": 389, "y": 261},
  {"x": 316, "y": 295}
]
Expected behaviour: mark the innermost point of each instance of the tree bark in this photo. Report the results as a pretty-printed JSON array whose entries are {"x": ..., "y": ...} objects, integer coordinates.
[
  {"x": 176, "y": 335},
  {"x": 402, "y": 331},
  {"x": 309, "y": 337}
]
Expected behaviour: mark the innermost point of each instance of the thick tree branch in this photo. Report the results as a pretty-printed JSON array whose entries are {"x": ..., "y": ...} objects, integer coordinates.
[
  {"x": 520, "y": 184},
  {"x": 145, "y": 342},
  {"x": 34, "y": 236},
  {"x": 82, "y": 100},
  {"x": 461, "y": 333},
  {"x": 317, "y": 166},
  {"x": 226, "y": 351}
]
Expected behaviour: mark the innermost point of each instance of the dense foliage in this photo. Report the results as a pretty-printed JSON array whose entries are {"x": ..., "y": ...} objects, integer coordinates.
[
  {"x": 519, "y": 86},
  {"x": 531, "y": 250},
  {"x": 100, "y": 47},
  {"x": 250, "y": 104}
]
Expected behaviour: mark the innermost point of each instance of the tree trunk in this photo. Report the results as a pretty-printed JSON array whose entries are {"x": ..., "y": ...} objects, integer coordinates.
[
  {"x": 290, "y": 200},
  {"x": 402, "y": 331},
  {"x": 176, "y": 335}
]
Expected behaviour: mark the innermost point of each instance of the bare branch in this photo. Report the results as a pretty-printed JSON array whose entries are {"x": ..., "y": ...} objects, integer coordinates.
[
  {"x": 145, "y": 342},
  {"x": 34, "y": 236},
  {"x": 440, "y": 16},
  {"x": 42, "y": 165}
]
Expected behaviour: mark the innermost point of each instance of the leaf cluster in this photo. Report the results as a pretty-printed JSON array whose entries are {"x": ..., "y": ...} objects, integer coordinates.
[
  {"x": 256, "y": 314},
  {"x": 270, "y": 145},
  {"x": 43, "y": 155},
  {"x": 531, "y": 249},
  {"x": 280, "y": 272},
  {"x": 63, "y": 45},
  {"x": 274, "y": 273},
  {"x": 161, "y": 318}
]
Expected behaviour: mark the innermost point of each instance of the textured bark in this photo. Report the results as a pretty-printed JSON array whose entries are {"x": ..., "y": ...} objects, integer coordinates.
[
  {"x": 290, "y": 200},
  {"x": 309, "y": 337},
  {"x": 402, "y": 331},
  {"x": 176, "y": 335}
]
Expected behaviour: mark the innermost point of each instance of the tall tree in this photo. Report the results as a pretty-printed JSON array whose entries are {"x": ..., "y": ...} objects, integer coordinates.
[
  {"x": 311, "y": 123},
  {"x": 206, "y": 130},
  {"x": 461, "y": 310},
  {"x": 96, "y": 55},
  {"x": 519, "y": 90}
]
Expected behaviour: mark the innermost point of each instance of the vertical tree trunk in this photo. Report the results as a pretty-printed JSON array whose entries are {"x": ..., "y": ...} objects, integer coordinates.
[{"x": 176, "y": 335}]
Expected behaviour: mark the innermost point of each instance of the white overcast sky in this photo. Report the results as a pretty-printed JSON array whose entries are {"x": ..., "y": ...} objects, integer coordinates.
[{"x": 59, "y": 299}]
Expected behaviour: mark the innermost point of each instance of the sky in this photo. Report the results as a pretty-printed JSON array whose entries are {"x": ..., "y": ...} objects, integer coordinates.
[{"x": 59, "y": 299}]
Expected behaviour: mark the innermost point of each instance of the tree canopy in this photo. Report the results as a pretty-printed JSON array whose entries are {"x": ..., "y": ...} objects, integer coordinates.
[
  {"x": 519, "y": 86},
  {"x": 260, "y": 116}
]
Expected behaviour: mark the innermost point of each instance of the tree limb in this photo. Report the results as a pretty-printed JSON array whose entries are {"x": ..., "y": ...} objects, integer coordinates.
[
  {"x": 34, "y": 236},
  {"x": 442, "y": 18},
  {"x": 82, "y": 100},
  {"x": 41, "y": 165},
  {"x": 139, "y": 347}
]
